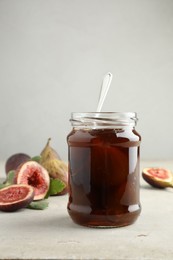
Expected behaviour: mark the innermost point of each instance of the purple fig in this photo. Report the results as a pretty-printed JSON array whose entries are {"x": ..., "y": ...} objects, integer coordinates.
[{"x": 15, "y": 160}]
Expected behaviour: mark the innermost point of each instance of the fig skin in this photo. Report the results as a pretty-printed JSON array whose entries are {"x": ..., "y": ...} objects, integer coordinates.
[
  {"x": 24, "y": 196},
  {"x": 35, "y": 175},
  {"x": 158, "y": 177},
  {"x": 48, "y": 153},
  {"x": 56, "y": 168},
  {"x": 15, "y": 160}
]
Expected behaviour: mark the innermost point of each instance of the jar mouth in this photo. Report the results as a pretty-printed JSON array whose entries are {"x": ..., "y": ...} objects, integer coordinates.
[{"x": 100, "y": 119}]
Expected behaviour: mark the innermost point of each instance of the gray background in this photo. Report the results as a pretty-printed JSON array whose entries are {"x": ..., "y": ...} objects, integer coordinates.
[{"x": 54, "y": 54}]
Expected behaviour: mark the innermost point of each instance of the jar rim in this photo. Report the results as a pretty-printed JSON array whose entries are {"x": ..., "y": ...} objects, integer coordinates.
[{"x": 103, "y": 118}]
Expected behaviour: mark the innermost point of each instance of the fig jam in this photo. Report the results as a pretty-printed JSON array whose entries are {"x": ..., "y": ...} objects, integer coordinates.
[{"x": 104, "y": 169}]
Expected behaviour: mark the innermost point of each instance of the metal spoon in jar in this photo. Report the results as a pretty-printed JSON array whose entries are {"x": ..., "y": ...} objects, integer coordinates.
[{"x": 104, "y": 90}]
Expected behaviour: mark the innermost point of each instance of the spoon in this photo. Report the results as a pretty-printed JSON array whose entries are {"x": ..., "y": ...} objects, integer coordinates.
[{"x": 104, "y": 90}]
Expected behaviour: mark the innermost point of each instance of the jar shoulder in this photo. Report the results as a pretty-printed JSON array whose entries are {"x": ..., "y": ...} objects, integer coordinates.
[{"x": 105, "y": 135}]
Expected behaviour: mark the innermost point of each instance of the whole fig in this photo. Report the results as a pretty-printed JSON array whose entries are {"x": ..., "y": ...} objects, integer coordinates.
[
  {"x": 15, "y": 160},
  {"x": 56, "y": 168},
  {"x": 49, "y": 153}
]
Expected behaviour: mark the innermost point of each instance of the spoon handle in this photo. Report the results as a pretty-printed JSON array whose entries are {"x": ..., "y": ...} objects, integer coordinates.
[{"x": 104, "y": 90}]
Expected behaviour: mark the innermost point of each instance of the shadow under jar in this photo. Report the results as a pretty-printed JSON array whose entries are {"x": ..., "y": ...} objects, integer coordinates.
[{"x": 103, "y": 153}]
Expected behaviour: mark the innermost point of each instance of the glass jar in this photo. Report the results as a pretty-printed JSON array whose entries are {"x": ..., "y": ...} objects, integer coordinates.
[{"x": 103, "y": 153}]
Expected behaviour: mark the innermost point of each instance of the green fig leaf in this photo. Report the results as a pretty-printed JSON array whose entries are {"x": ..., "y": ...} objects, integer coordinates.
[
  {"x": 10, "y": 178},
  {"x": 56, "y": 186},
  {"x": 2, "y": 185},
  {"x": 38, "y": 205},
  {"x": 36, "y": 158}
]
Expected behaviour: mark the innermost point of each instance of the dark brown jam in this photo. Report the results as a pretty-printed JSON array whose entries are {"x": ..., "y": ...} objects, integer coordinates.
[{"x": 103, "y": 176}]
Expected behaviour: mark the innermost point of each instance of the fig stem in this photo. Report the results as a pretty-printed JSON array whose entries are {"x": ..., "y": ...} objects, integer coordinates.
[{"x": 48, "y": 141}]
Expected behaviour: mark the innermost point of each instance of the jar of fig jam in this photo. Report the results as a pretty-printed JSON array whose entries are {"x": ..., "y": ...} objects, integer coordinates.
[{"x": 103, "y": 151}]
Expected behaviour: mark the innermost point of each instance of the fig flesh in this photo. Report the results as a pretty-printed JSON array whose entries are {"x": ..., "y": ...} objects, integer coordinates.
[
  {"x": 33, "y": 174},
  {"x": 15, "y": 197},
  {"x": 15, "y": 160},
  {"x": 158, "y": 177}
]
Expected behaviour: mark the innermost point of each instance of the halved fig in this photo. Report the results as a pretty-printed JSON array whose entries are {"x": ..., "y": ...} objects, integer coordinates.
[
  {"x": 35, "y": 175},
  {"x": 158, "y": 177},
  {"x": 15, "y": 197}
]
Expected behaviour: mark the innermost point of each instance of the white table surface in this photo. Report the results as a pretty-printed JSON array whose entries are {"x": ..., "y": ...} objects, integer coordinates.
[{"x": 51, "y": 234}]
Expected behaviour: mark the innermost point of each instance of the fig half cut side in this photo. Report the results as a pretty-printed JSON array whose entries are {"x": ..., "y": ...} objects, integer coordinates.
[
  {"x": 35, "y": 175},
  {"x": 15, "y": 197},
  {"x": 158, "y": 177}
]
